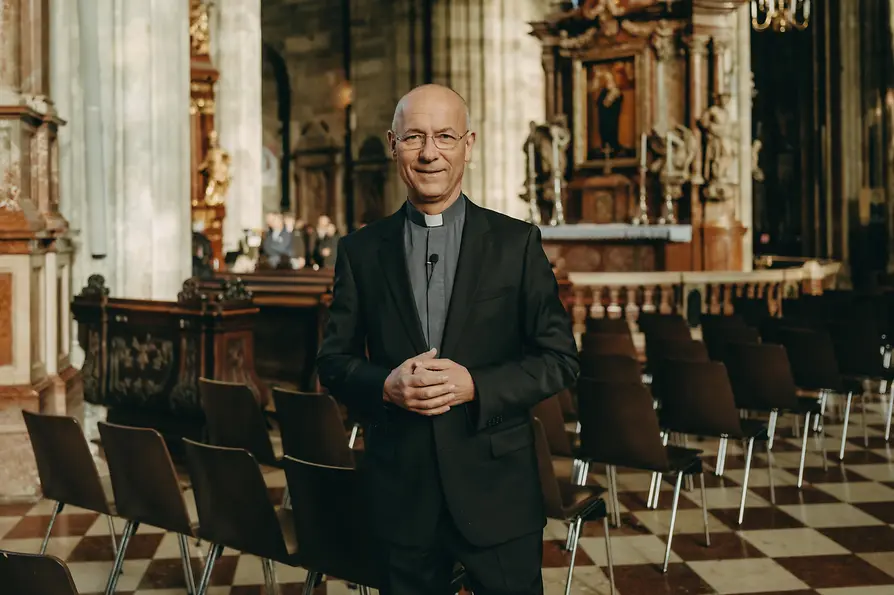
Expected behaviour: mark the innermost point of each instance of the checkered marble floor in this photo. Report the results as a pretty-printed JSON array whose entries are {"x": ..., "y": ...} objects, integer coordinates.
[{"x": 834, "y": 536}]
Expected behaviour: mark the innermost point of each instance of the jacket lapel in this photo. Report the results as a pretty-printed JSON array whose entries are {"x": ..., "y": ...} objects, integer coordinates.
[
  {"x": 393, "y": 259},
  {"x": 473, "y": 254}
]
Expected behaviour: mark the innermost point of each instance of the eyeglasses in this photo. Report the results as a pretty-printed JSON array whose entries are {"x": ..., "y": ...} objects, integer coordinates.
[{"x": 413, "y": 141}]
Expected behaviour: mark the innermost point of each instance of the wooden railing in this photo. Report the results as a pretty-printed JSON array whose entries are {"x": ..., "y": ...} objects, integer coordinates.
[{"x": 626, "y": 295}]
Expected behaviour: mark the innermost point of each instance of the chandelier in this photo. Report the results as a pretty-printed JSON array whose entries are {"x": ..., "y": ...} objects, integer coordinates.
[{"x": 781, "y": 15}]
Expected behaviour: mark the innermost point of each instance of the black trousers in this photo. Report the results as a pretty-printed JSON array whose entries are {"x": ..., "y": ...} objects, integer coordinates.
[{"x": 511, "y": 568}]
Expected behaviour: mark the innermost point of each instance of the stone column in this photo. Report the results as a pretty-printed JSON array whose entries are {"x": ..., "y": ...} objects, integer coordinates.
[
  {"x": 483, "y": 50},
  {"x": 744, "y": 86},
  {"x": 237, "y": 40}
]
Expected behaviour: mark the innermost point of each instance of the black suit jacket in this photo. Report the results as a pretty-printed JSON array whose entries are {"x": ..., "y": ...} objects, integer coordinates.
[{"x": 505, "y": 324}]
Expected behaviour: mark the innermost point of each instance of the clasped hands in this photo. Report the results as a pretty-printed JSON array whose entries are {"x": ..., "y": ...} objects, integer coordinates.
[{"x": 429, "y": 386}]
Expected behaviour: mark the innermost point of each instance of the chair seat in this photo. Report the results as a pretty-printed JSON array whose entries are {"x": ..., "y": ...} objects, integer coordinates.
[
  {"x": 579, "y": 500},
  {"x": 684, "y": 460}
]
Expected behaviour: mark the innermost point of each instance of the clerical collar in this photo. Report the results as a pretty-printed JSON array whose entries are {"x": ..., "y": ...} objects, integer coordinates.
[{"x": 451, "y": 213}]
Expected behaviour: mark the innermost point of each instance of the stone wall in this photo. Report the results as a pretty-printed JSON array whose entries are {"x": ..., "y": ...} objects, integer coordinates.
[{"x": 479, "y": 47}]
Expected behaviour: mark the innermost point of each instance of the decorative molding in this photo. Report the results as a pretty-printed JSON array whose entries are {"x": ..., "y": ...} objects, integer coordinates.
[
  {"x": 664, "y": 41},
  {"x": 6, "y": 322},
  {"x": 96, "y": 287}
]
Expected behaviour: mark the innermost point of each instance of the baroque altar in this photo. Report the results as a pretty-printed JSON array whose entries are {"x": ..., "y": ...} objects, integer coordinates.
[{"x": 641, "y": 108}]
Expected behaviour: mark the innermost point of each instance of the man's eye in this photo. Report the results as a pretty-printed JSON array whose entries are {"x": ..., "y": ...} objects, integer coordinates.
[
  {"x": 447, "y": 137},
  {"x": 412, "y": 137}
]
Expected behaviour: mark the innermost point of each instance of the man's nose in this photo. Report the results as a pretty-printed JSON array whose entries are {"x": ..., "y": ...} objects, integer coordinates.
[{"x": 429, "y": 151}]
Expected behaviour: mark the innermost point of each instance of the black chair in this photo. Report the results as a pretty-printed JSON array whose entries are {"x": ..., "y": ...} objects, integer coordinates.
[
  {"x": 697, "y": 399},
  {"x": 619, "y": 428},
  {"x": 570, "y": 503},
  {"x": 608, "y": 344},
  {"x": 762, "y": 380},
  {"x": 66, "y": 469},
  {"x": 34, "y": 574},
  {"x": 610, "y": 368},
  {"x": 614, "y": 326},
  {"x": 312, "y": 428},
  {"x": 717, "y": 339},
  {"x": 147, "y": 491},
  {"x": 235, "y": 511}
]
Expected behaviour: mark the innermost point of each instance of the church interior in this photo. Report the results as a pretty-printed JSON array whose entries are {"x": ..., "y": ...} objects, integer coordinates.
[{"x": 714, "y": 185}]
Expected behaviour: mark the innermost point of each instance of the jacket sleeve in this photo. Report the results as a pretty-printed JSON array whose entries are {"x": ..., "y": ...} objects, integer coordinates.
[
  {"x": 342, "y": 364},
  {"x": 549, "y": 362}
]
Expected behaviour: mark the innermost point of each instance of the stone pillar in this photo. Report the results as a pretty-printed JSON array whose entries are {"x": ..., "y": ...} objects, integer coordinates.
[
  {"x": 483, "y": 50},
  {"x": 744, "y": 86},
  {"x": 237, "y": 40},
  {"x": 35, "y": 254}
]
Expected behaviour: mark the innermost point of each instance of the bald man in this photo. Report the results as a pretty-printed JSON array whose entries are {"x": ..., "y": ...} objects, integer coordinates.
[{"x": 445, "y": 329}]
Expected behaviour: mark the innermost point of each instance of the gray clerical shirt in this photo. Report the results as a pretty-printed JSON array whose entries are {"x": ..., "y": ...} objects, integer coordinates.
[{"x": 425, "y": 235}]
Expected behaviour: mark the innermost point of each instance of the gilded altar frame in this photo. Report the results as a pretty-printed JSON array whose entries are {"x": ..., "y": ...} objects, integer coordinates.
[{"x": 640, "y": 52}]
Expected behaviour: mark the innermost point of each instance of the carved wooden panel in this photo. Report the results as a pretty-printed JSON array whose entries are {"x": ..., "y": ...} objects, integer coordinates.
[{"x": 6, "y": 346}]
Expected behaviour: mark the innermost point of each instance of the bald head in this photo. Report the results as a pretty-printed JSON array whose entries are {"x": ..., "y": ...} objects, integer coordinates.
[{"x": 428, "y": 96}]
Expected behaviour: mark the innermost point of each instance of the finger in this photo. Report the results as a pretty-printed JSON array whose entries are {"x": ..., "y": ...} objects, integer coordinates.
[
  {"x": 427, "y": 404},
  {"x": 432, "y": 392},
  {"x": 422, "y": 379},
  {"x": 412, "y": 362},
  {"x": 436, "y": 364},
  {"x": 431, "y": 412}
]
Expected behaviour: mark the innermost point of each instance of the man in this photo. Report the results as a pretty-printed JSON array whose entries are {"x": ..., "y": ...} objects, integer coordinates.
[
  {"x": 444, "y": 330},
  {"x": 326, "y": 244},
  {"x": 277, "y": 245},
  {"x": 296, "y": 231}
]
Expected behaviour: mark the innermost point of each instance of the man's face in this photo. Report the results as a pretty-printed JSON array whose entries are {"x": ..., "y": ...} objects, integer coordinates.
[
  {"x": 275, "y": 222},
  {"x": 289, "y": 222},
  {"x": 431, "y": 144}
]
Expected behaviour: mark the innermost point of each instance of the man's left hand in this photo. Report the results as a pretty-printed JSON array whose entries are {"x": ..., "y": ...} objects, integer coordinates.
[{"x": 457, "y": 375}]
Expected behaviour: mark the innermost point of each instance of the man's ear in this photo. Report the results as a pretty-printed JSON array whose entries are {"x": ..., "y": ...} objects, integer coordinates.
[{"x": 392, "y": 144}]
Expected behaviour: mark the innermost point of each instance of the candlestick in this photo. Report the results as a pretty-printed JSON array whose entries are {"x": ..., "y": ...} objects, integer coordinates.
[
  {"x": 642, "y": 151},
  {"x": 668, "y": 155},
  {"x": 532, "y": 186}
]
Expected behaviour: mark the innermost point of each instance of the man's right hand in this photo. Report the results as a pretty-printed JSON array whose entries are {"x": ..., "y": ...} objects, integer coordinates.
[{"x": 426, "y": 393}]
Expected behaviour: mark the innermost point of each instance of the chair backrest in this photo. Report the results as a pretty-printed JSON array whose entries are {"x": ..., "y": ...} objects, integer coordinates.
[
  {"x": 566, "y": 402},
  {"x": 608, "y": 344},
  {"x": 619, "y": 426},
  {"x": 610, "y": 368},
  {"x": 717, "y": 338},
  {"x": 333, "y": 522},
  {"x": 64, "y": 462},
  {"x": 232, "y": 500},
  {"x": 696, "y": 398},
  {"x": 812, "y": 356},
  {"x": 690, "y": 350},
  {"x": 664, "y": 326},
  {"x": 234, "y": 419},
  {"x": 613, "y": 326},
  {"x": 857, "y": 345},
  {"x": 146, "y": 486},
  {"x": 752, "y": 310},
  {"x": 34, "y": 574},
  {"x": 761, "y": 376},
  {"x": 550, "y": 413},
  {"x": 312, "y": 428},
  {"x": 549, "y": 485},
  {"x": 721, "y": 321},
  {"x": 771, "y": 328}
]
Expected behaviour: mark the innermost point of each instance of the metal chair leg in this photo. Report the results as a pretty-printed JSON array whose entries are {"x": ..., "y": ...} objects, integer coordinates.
[
  {"x": 670, "y": 535},
  {"x": 46, "y": 539},
  {"x": 213, "y": 555},
  {"x": 651, "y": 489},
  {"x": 577, "y": 527},
  {"x": 569, "y": 536},
  {"x": 803, "y": 450},
  {"x": 745, "y": 483},
  {"x": 129, "y": 529},
  {"x": 354, "y": 431},
  {"x": 770, "y": 473},
  {"x": 863, "y": 418},
  {"x": 890, "y": 413},
  {"x": 112, "y": 534},
  {"x": 270, "y": 582},
  {"x": 705, "y": 509},
  {"x": 608, "y": 555},
  {"x": 364, "y": 590},
  {"x": 188, "y": 576},
  {"x": 286, "y": 499},
  {"x": 310, "y": 581},
  {"x": 771, "y": 428},
  {"x": 847, "y": 416}
]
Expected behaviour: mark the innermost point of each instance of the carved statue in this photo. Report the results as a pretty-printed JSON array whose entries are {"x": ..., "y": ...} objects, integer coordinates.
[
  {"x": 684, "y": 153},
  {"x": 756, "y": 172},
  {"x": 198, "y": 28},
  {"x": 720, "y": 148},
  {"x": 546, "y": 151},
  {"x": 561, "y": 137},
  {"x": 217, "y": 167}
]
